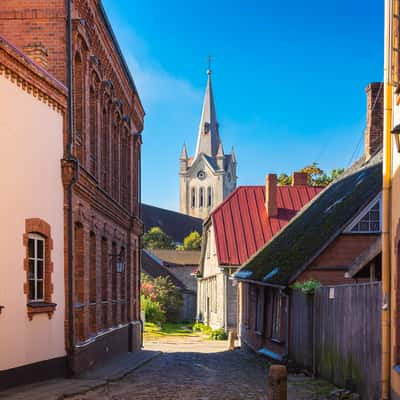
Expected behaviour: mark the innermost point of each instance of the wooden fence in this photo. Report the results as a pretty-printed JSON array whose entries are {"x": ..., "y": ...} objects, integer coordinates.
[{"x": 342, "y": 343}]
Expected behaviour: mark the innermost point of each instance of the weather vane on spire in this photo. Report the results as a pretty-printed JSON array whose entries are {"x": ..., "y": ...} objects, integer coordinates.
[{"x": 209, "y": 65}]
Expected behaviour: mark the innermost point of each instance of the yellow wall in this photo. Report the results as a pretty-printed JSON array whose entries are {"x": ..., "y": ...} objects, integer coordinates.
[{"x": 31, "y": 187}]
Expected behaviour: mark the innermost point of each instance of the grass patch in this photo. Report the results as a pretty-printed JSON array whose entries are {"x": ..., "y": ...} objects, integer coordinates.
[{"x": 169, "y": 329}]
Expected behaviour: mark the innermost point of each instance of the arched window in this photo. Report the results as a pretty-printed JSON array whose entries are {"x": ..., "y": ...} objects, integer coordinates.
[
  {"x": 115, "y": 159},
  {"x": 193, "y": 197},
  {"x": 36, "y": 255},
  {"x": 93, "y": 132},
  {"x": 209, "y": 197},
  {"x": 105, "y": 148},
  {"x": 201, "y": 198},
  {"x": 79, "y": 88}
]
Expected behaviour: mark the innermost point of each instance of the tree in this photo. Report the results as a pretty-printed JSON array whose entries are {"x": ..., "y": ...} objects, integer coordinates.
[
  {"x": 316, "y": 176},
  {"x": 192, "y": 241},
  {"x": 156, "y": 238},
  {"x": 168, "y": 296},
  {"x": 284, "y": 179}
]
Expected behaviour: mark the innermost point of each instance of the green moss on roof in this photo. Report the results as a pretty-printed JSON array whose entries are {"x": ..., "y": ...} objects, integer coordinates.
[{"x": 324, "y": 218}]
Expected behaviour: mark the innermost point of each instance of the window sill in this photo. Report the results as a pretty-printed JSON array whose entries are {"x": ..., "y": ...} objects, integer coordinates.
[
  {"x": 41, "y": 308},
  {"x": 259, "y": 333},
  {"x": 277, "y": 340}
]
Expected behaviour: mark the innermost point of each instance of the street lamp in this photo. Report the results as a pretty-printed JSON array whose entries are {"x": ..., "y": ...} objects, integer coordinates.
[{"x": 120, "y": 262}]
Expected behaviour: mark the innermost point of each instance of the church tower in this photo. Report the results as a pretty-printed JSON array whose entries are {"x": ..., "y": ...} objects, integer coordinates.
[{"x": 210, "y": 176}]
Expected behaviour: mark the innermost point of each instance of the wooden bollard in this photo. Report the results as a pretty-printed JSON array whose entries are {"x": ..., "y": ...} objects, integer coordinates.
[
  {"x": 277, "y": 383},
  {"x": 231, "y": 340}
]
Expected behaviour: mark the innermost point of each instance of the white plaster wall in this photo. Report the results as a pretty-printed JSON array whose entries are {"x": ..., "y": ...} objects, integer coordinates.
[
  {"x": 31, "y": 187},
  {"x": 210, "y": 266}
]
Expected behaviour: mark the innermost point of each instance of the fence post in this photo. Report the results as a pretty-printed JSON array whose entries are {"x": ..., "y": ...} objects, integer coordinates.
[
  {"x": 277, "y": 383},
  {"x": 231, "y": 340}
]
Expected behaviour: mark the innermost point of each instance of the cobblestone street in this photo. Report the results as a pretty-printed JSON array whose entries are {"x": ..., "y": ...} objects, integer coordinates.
[{"x": 201, "y": 370}]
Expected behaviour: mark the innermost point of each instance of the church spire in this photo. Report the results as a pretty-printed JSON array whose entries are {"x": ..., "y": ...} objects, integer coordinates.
[{"x": 208, "y": 138}]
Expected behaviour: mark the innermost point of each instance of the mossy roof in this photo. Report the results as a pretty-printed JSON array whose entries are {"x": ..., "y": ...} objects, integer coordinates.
[{"x": 316, "y": 225}]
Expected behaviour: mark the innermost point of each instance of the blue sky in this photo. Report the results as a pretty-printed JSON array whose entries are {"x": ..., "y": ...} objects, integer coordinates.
[{"x": 288, "y": 76}]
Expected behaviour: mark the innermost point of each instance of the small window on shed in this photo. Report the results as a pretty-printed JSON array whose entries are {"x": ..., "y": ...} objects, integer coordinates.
[{"x": 277, "y": 318}]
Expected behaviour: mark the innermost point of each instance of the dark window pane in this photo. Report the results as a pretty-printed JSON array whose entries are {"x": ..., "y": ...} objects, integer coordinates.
[
  {"x": 31, "y": 272},
  {"x": 40, "y": 290},
  {"x": 31, "y": 248},
  {"x": 40, "y": 248},
  {"x": 39, "y": 273},
  {"x": 32, "y": 290}
]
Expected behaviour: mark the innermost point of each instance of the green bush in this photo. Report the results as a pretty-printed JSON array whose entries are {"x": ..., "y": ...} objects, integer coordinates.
[
  {"x": 153, "y": 311},
  {"x": 307, "y": 287},
  {"x": 200, "y": 327},
  {"x": 218, "y": 334}
]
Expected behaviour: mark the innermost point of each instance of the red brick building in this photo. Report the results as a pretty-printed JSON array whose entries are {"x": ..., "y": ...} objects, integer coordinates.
[{"x": 101, "y": 170}]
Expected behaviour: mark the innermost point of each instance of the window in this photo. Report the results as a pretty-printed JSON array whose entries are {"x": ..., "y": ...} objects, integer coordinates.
[
  {"x": 38, "y": 267},
  {"x": 201, "y": 198},
  {"x": 259, "y": 310},
  {"x": 277, "y": 317},
  {"x": 78, "y": 107},
  {"x": 209, "y": 197},
  {"x": 193, "y": 198},
  {"x": 36, "y": 249},
  {"x": 93, "y": 131},
  {"x": 369, "y": 220}
]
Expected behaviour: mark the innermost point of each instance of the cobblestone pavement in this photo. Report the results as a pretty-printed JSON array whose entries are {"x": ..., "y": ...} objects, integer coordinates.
[{"x": 201, "y": 370}]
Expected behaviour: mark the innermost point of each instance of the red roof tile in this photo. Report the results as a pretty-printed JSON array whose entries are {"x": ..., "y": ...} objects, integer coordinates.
[{"x": 241, "y": 224}]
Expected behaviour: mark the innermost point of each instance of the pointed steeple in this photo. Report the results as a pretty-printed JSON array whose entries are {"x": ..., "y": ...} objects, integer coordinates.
[
  {"x": 184, "y": 154},
  {"x": 208, "y": 138},
  {"x": 233, "y": 155}
]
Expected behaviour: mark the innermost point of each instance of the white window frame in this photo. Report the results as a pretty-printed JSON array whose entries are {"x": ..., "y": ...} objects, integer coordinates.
[
  {"x": 363, "y": 213},
  {"x": 36, "y": 238}
]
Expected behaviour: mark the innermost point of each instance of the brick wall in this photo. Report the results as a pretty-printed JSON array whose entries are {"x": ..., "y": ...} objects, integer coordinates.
[
  {"x": 374, "y": 129},
  {"x": 107, "y": 126}
]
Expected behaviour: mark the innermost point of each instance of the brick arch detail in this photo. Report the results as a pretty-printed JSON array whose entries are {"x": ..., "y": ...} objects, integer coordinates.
[{"x": 41, "y": 227}]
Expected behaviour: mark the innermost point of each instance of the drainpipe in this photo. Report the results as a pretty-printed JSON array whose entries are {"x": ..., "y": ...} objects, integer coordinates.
[
  {"x": 71, "y": 334},
  {"x": 140, "y": 238},
  {"x": 386, "y": 200}
]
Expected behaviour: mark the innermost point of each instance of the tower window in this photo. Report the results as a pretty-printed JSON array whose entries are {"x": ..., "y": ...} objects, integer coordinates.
[
  {"x": 193, "y": 198},
  {"x": 201, "y": 198},
  {"x": 209, "y": 197}
]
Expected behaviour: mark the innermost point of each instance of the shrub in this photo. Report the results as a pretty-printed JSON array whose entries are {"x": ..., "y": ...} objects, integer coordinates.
[
  {"x": 219, "y": 334},
  {"x": 200, "y": 327},
  {"x": 169, "y": 297},
  {"x": 153, "y": 310},
  {"x": 307, "y": 287}
]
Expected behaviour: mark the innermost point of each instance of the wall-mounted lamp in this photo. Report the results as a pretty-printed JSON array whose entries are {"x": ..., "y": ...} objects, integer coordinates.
[
  {"x": 120, "y": 261},
  {"x": 396, "y": 133}
]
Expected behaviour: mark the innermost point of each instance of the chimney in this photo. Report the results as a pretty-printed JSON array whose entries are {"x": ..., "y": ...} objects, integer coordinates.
[
  {"x": 300, "y": 179},
  {"x": 271, "y": 195},
  {"x": 38, "y": 53},
  {"x": 374, "y": 129}
]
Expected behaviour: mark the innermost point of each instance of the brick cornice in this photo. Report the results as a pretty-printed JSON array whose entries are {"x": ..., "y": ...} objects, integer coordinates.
[{"x": 21, "y": 70}]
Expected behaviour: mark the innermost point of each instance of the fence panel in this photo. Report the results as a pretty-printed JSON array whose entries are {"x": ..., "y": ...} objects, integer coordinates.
[
  {"x": 301, "y": 330},
  {"x": 347, "y": 336}
]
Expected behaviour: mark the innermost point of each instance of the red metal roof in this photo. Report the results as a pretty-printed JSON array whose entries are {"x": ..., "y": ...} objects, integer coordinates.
[{"x": 241, "y": 224}]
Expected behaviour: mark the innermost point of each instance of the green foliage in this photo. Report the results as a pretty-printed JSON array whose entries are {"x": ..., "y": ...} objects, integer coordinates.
[
  {"x": 284, "y": 179},
  {"x": 218, "y": 334},
  {"x": 200, "y": 327},
  {"x": 307, "y": 287},
  {"x": 192, "y": 241},
  {"x": 156, "y": 238},
  {"x": 153, "y": 310},
  {"x": 168, "y": 296},
  {"x": 316, "y": 176}
]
